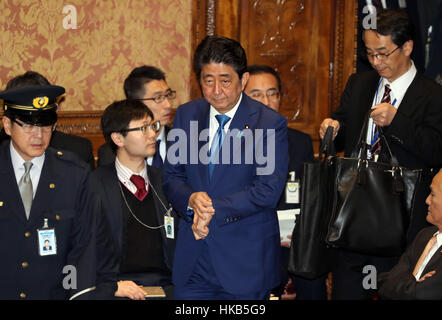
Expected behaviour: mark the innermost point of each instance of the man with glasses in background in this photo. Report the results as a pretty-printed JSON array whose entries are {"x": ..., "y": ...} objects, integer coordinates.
[
  {"x": 44, "y": 196},
  {"x": 407, "y": 106},
  {"x": 148, "y": 84},
  {"x": 133, "y": 205},
  {"x": 264, "y": 85}
]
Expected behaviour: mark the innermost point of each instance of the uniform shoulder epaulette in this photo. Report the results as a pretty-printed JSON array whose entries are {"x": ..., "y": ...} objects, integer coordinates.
[{"x": 69, "y": 157}]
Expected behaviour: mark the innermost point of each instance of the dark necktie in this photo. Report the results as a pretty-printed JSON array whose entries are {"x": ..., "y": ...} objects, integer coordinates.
[
  {"x": 376, "y": 145},
  {"x": 25, "y": 188},
  {"x": 215, "y": 150},
  {"x": 157, "y": 161},
  {"x": 140, "y": 183}
]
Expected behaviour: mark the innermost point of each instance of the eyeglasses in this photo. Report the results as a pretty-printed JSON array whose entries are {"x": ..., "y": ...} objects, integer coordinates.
[
  {"x": 271, "y": 94},
  {"x": 170, "y": 95},
  {"x": 29, "y": 128},
  {"x": 380, "y": 56},
  {"x": 155, "y": 126}
]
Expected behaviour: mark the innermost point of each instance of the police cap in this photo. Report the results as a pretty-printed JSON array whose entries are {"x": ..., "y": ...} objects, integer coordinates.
[{"x": 35, "y": 105}]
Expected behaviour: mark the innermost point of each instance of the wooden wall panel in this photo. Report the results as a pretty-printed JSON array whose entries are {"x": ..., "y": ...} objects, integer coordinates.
[{"x": 311, "y": 43}]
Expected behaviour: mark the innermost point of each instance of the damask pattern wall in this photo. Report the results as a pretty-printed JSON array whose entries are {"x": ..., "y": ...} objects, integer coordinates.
[{"x": 90, "y": 46}]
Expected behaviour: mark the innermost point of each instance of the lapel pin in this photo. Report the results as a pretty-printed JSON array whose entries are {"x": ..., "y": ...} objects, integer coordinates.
[
  {"x": 1, "y": 203},
  {"x": 60, "y": 153},
  {"x": 52, "y": 186}
]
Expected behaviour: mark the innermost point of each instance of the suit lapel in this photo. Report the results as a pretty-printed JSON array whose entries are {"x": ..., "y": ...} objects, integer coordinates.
[
  {"x": 112, "y": 196},
  {"x": 8, "y": 187},
  {"x": 160, "y": 211},
  {"x": 414, "y": 93},
  {"x": 203, "y": 123},
  {"x": 435, "y": 259},
  {"x": 367, "y": 95},
  {"x": 47, "y": 187}
]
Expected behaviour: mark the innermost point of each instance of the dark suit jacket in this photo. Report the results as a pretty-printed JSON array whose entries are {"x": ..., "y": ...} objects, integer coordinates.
[
  {"x": 107, "y": 156},
  {"x": 399, "y": 282},
  {"x": 105, "y": 184},
  {"x": 80, "y": 146},
  {"x": 300, "y": 151},
  {"x": 243, "y": 240},
  {"x": 63, "y": 198},
  {"x": 414, "y": 135}
]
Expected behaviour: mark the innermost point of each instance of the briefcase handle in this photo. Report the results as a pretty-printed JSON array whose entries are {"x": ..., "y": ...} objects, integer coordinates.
[
  {"x": 326, "y": 146},
  {"x": 361, "y": 148}
]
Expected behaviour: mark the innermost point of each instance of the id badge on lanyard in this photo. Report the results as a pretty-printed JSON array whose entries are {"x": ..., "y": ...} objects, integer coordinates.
[
  {"x": 47, "y": 242},
  {"x": 292, "y": 189},
  {"x": 168, "y": 225}
]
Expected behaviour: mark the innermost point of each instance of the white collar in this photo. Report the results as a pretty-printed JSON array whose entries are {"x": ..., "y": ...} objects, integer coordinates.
[
  {"x": 162, "y": 135},
  {"x": 438, "y": 235},
  {"x": 231, "y": 113},
  {"x": 124, "y": 174},
  {"x": 17, "y": 160},
  {"x": 400, "y": 85}
]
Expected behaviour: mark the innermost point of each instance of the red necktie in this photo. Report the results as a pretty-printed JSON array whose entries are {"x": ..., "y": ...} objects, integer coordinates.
[
  {"x": 140, "y": 183},
  {"x": 377, "y": 145}
]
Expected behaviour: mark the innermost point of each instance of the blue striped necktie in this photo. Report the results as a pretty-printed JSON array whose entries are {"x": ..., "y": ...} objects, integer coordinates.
[{"x": 215, "y": 149}]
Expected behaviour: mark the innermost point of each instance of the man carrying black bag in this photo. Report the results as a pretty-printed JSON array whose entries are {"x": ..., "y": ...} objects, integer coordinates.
[{"x": 407, "y": 107}]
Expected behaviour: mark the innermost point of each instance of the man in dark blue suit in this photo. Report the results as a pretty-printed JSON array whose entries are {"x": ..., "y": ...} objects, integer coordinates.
[
  {"x": 264, "y": 85},
  {"x": 228, "y": 246},
  {"x": 43, "y": 196}
]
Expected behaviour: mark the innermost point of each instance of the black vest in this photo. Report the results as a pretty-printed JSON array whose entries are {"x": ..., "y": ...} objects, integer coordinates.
[{"x": 142, "y": 248}]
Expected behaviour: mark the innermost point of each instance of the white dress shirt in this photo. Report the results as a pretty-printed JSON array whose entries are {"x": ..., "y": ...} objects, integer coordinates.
[
  {"x": 19, "y": 168},
  {"x": 214, "y": 124},
  {"x": 398, "y": 89}
]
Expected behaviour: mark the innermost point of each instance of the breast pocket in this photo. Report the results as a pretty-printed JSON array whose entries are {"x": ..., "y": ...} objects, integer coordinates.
[
  {"x": 61, "y": 219},
  {"x": 62, "y": 222}
]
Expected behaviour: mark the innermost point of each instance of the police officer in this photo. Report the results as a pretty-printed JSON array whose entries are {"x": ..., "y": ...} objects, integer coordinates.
[{"x": 43, "y": 197}]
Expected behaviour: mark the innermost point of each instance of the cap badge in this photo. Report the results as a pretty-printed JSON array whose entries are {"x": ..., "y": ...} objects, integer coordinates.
[{"x": 40, "y": 102}]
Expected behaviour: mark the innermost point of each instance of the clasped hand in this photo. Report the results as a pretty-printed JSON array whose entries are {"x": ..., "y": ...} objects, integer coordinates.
[
  {"x": 383, "y": 114},
  {"x": 203, "y": 210}
]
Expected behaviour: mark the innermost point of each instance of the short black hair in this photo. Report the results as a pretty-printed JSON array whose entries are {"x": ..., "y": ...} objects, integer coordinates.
[
  {"x": 220, "y": 50},
  {"x": 394, "y": 23},
  {"x": 134, "y": 83},
  {"x": 117, "y": 116},
  {"x": 260, "y": 69},
  {"x": 29, "y": 78}
]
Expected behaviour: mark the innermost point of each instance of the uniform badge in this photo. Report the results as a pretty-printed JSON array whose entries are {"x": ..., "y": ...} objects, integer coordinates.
[{"x": 40, "y": 102}]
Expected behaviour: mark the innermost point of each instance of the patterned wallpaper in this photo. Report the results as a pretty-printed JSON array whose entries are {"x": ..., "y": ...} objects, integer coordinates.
[{"x": 90, "y": 46}]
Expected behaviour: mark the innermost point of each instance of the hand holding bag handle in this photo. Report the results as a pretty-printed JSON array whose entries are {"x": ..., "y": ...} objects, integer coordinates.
[{"x": 372, "y": 202}]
